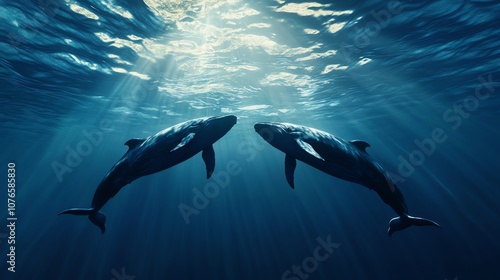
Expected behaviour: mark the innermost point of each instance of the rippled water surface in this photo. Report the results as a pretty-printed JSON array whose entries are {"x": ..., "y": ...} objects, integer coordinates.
[{"x": 396, "y": 74}]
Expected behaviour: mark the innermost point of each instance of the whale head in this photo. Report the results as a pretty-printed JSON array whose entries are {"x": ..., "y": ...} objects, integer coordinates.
[
  {"x": 204, "y": 130},
  {"x": 272, "y": 132},
  {"x": 218, "y": 126},
  {"x": 282, "y": 136},
  {"x": 300, "y": 142}
]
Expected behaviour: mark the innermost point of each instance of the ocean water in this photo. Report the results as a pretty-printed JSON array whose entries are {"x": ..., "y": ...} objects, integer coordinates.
[{"x": 418, "y": 80}]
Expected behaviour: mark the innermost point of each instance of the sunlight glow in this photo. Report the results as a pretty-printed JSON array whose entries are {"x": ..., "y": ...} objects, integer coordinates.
[
  {"x": 259, "y": 25},
  {"x": 93, "y": 66},
  {"x": 254, "y": 107},
  {"x": 310, "y": 9},
  {"x": 364, "y": 61},
  {"x": 119, "y": 43},
  {"x": 332, "y": 67},
  {"x": 241, "y": 67},
  {"x": 317, "y": 55},
  {"x": 119, "y": 70},
  {"x": 336, "y": 27},
  {"x": 117, "y": 9},
  {"x": 82, "y": 11},
  {"x": 118, "y": 59},
  {"x": 239, "y": 14},
  {"x": 311, "y": 31}
]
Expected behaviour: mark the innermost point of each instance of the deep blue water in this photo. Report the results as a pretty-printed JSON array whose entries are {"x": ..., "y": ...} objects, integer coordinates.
[{"x": 390, "y": 73}]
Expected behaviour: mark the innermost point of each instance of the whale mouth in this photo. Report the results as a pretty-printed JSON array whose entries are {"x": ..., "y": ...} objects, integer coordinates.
[
  {"x": 259, "y": 127},
  {"x": 268, "y": 127},
  {"x": 268, "y": 131}
]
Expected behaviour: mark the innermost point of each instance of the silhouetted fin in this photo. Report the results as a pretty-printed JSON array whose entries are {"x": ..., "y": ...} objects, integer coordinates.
[
  {"x": 308, "y": 148},
  {"x": 405, "y": 221},
  {"x": 361, "y": 145},
  {"x": 184, "y": 141},
  {"x": 290, "y": 164},
  {"x": 208, "y": 156},
  {"x": 134, "y": 142},
  {"x": 96, "y": 217}
]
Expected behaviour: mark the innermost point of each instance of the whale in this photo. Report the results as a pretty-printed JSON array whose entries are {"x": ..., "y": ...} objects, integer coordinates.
[
  {"x": 155, "y": 153},
  {"x": 346, "y": 160}
]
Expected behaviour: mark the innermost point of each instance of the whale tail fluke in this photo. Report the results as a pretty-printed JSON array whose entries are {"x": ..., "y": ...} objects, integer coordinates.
[
  {"x": 405, "y": 221},
  {"x": 96, "y": 217}
]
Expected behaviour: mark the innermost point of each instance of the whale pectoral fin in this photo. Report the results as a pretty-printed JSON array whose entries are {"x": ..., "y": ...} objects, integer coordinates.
[
  {"x": 308, "y": 148},
  {"x": 184, "y": 141},
  {"x": 208, "y": 156},
  {"x": 134, "y": 142},
  {"x": 361, "y": 145},
  {"x": 290, "y": 164}
]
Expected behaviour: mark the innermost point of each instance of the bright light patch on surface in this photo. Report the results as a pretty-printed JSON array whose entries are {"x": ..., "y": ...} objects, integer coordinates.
[
  {"x": 224, "y": 110},
  {"x": 259, "y": 25},
  {"x": 239, "y": 14},
  {"x": 278, "y": 79},
  {"x": 117, "y": 9},
  {"x": 119, "y": 70},
  {"x": 254, "y": 107},
  {"x": 317, "y": 55},
  {"x": 104, "y": 37},
  {"x": 237, "y": 68},
  {"x": 364, "y": 61},
  {"x": 168, "y": 10},
  {"x": 139, "y": 75},
  {"x": 258, "y": 41},
  {"x": 336, "y": 27},
  {"x": 90, "y": 65},
  {"x": 117, "y": 42},
  {"x": 118, "y": 59},
  {"x": 311, "y": 31},
  {"x": 82, "y": 11},
  {"x": 134, "y": 38},
  {"x": 334, "y": 103},
  {"x": 303, "y": 83},
  {"x": 332, "y": 67},
  {"x": 310, "y": 9}
]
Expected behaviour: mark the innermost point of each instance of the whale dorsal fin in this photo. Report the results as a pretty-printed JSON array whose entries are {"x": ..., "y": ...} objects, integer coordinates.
[
  {"x": 308, "y": 148},
  {"x": 184, "y": 141},
  {"x": 134, "y": 142},
  {"x": 361, "y": 145},
  {"x": 290, "y": 164}
]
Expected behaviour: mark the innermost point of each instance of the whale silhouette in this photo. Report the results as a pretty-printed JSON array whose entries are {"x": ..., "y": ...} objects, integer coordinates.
[
  {"x": 163, "y": 150},
  {"x": 347, "y": 160}
]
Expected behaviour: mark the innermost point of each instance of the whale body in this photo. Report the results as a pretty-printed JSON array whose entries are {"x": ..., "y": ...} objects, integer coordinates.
[
  {"x": 347, "y": 160},
  {"x": 155, "y": 153}
]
